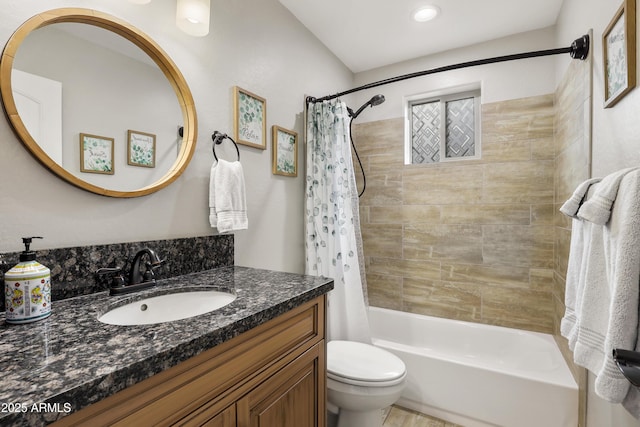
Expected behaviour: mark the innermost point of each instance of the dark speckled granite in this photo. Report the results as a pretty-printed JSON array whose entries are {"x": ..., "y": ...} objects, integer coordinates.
[
  {"x": 72, "y": 269},
  {"x": 72, "y": 358}
]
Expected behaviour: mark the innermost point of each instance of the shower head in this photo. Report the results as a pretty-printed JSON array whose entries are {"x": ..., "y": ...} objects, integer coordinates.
[{"x": 375, "y": 100}]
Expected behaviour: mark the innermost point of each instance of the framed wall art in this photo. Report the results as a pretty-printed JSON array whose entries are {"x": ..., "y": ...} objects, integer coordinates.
[
  {"x": 141, "y": 149},
  {"x": 619, "y": 54},
  {"x": 96, "y": 154},
  {"x": 249, "y": 119},
  {"x": 285, "y": 151}
]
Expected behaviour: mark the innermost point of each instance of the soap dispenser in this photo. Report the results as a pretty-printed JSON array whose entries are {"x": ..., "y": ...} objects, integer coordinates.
[{"x": 27, "y": 288}]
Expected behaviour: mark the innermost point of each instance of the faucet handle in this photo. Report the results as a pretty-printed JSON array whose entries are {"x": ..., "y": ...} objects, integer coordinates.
[
  {"x": 117, "y": 279},
  {"x": 149, "y": 274}
]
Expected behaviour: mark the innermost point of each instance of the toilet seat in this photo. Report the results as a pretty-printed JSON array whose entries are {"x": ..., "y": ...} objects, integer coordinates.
[{"x": 361, "y": 364}]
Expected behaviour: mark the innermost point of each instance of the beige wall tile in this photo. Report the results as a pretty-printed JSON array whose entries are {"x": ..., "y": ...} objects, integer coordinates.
[
  {"x": 462, "y": 243},
  {"x": 384, "y": 291},
  {"x": 382, "y": 240},
  {"x": 419, "y": 269},
  {"x": 524, "y": 246},
  {"x": 441, "y": 299},
  {"x": 421, "y": 213},
  {"x": 494, "y": 275},
  {"x": 526, "y": 118},
  {"x": 382, "y": 189},
  {"x": 543, "y": 148},
  {"x": 505, "y": 151},
  {"x": 442, "y": 184},
  {"x": 517, "y": 308},
  {"x": 392, "y": 214},
  {"x": 518, "y": 182},
  {"x": 542, "y": 279},
  {"x": 542, "y": 214},
  {"x": 486, "y": 214},
  {"x": 379, "y": 137}
]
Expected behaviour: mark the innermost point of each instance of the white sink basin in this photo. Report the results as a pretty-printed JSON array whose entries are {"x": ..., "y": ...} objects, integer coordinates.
[{"x": 167, "y": 308}]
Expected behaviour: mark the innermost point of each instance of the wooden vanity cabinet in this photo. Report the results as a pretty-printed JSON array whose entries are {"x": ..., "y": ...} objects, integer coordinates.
[{"x": 271, "y": 376}]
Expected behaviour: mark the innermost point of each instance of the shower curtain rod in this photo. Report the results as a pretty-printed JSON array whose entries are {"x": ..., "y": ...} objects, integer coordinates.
[{"x": 579, "y": 49}]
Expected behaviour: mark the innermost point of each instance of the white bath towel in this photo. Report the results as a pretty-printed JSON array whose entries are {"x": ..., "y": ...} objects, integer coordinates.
[
  {"x": 586, "y": 262},
  {"x": 571, "y": 206},
  {"x": 608, "y": 314},
  {"x": 227, "y": 199},
  {"x": 597, "y": 208}
]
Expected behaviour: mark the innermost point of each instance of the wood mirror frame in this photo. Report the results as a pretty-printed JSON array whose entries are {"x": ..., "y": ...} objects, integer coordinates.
[{"x": 115, "y": 25}]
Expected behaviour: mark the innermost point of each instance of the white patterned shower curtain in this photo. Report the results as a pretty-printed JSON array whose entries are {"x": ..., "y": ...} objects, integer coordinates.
[{"x": 332, "y": 228}]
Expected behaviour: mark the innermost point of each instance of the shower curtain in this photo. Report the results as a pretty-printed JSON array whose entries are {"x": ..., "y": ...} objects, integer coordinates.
[{"x": 332, "y": 228}]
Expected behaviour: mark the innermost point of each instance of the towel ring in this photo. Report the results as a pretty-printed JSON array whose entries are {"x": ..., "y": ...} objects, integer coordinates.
[{"x": 218, "y": 137}]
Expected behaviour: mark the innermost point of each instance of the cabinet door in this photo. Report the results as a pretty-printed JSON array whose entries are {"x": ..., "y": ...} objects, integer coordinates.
[
  {"x": 226, "y": 418},
  {"x": 293, "y": 397}
]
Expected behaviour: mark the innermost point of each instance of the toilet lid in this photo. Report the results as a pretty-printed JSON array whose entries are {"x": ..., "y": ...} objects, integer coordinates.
[{"x": 357, "y": 363}]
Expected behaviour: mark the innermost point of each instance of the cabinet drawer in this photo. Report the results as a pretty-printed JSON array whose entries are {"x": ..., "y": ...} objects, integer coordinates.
[{"x": 211, "y": 377}]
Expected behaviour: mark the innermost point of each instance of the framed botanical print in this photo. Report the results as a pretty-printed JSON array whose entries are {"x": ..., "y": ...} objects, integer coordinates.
[
  {"x": 141, "y": 149},
  {"x": 285, "y": 151},
  {"x": 250, "y": 119},
  {"x": 619, "y": 54},
  {"x": 96, "y": 154}
]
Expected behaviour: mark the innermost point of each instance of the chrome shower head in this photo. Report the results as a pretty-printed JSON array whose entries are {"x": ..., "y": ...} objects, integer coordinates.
[{"x": 375, "y": 100}]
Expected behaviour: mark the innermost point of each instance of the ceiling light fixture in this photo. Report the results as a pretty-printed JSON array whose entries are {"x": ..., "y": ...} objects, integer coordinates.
[
  {"x": 426, "y": 13},
  {"x": 192, "y": 17}
]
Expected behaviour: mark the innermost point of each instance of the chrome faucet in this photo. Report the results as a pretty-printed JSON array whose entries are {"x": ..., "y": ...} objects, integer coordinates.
[{"x": 141, "y": 275}]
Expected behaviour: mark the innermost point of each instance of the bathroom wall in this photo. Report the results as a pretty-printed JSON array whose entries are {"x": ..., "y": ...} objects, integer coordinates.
[
  {"x": 255, "y": 44},
  {"x": 572, "y": 135},
  {"x": 468, "y": 240},
  {"x": 615, "y": 145}
]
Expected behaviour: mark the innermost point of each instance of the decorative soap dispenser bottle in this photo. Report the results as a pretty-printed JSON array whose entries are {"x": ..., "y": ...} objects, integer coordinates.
[{"x": 27, "y": 288}]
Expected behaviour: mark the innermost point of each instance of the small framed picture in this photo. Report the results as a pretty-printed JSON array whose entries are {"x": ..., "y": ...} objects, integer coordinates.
[
  {"x": 249, "y": 119},
  {"x": 285, "y": 151},
  {"x": 96, "y": 154},
  {"x": 619, "y": 54},
  {"x": 141, "y": 149}
]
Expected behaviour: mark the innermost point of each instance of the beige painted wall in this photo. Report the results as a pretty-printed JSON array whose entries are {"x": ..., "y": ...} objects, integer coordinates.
[{"x": 255, "y": 44}]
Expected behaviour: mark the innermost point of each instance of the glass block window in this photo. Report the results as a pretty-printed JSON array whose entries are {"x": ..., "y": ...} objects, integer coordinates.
[{"x": 443, "y": 128}]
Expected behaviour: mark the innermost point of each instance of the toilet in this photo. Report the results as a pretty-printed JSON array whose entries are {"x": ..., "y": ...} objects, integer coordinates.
[{"x": 362, "y": 380}]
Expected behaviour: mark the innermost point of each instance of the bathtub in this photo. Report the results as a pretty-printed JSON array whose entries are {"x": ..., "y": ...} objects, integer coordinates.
[{"x": 478, "y": 375}]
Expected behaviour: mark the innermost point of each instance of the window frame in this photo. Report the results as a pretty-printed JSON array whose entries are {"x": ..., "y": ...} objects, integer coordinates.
[{"x": 443, "y": 96}]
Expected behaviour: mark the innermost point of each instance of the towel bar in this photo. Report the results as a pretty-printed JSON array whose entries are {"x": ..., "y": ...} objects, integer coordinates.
[
  {"x": 218, "y": 137},
  {"x": 629, "y": 364}
]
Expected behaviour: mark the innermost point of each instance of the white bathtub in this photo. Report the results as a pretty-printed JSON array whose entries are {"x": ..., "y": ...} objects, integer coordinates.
[{"x": 478, "y": 375}]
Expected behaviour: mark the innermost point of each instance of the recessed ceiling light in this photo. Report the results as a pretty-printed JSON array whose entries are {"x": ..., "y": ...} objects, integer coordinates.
[{"x": 426, "y": 13}]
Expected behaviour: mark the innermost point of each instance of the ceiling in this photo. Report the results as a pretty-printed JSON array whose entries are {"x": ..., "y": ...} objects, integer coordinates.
[{"x": 366, "y": 34}]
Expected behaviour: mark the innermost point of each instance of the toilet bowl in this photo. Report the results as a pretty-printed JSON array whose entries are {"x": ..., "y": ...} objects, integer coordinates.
[{"x": 362, "y": 380}]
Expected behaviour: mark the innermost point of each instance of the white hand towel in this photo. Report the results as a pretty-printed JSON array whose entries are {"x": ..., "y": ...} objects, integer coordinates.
[
  {"x": 608, "y": 314},
  {"x": 227, "y": 199},
  {"x": 571, "y": 206},
  {"x": 597, "y": 208}
]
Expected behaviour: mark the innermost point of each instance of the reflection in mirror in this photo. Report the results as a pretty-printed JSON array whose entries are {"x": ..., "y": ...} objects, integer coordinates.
[
  {"x": 109, "y": 98},
  {"x": 103, "y": 91}
]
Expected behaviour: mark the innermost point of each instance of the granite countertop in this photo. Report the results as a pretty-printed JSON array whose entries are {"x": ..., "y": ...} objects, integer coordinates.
[{"x": 63, "y": 363}]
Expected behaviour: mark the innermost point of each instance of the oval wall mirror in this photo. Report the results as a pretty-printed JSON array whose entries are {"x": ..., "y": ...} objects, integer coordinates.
[{"x": 98, "y": 102}]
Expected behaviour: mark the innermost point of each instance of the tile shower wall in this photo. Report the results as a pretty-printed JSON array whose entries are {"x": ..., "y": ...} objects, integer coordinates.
[{"x": 470, "y": 240}]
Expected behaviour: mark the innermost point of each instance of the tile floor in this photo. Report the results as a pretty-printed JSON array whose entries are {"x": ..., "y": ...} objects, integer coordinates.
[{"x": 396, "y": 416}]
